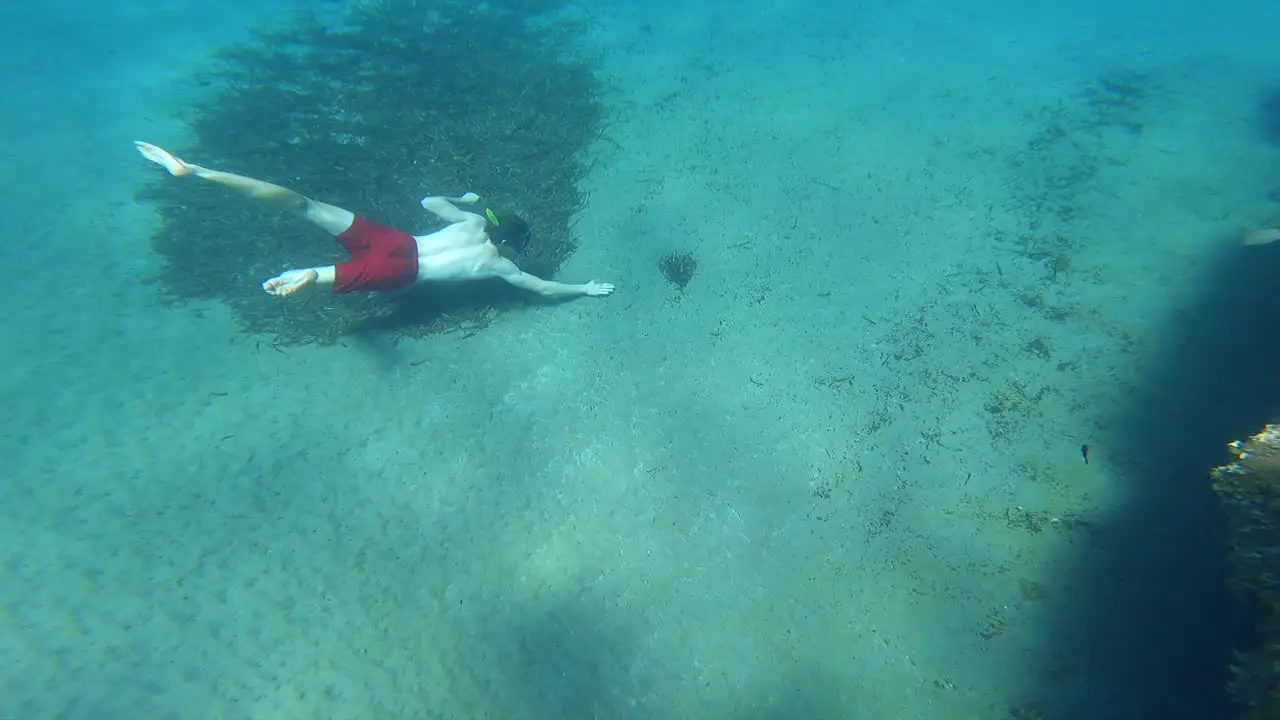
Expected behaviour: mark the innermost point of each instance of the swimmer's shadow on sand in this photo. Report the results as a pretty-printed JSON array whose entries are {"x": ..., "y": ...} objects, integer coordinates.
[
  {"x": 1268, "y": 115},
  {"x": 464, "y": 308}
]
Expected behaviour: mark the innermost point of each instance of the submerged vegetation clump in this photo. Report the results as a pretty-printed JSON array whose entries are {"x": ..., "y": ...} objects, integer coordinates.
[
  {"x": 402, "y": 99},
  {"x": 678, "y": 268}
]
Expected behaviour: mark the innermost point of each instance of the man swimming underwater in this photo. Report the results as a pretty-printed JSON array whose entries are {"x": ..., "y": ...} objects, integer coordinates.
[{"x": 383, "y": 258}]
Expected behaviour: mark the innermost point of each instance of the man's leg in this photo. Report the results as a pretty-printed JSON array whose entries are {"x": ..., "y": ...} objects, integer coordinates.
[{"x": 331, "y": 219}]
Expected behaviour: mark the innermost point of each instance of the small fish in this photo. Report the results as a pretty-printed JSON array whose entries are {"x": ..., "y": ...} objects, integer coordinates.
[{"x": 1084, "y": 453}]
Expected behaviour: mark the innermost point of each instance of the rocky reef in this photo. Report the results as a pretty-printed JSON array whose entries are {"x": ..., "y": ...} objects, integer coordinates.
[{"x": 1250, "y": 490}]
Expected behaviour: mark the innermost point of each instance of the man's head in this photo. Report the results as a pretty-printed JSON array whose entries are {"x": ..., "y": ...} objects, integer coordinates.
[{"x": 507, "y": 230}]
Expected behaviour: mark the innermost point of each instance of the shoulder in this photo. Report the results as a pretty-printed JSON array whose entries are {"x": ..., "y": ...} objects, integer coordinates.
[
  {"x": 473, "y": 224},
  {"x": 492, "y": 263}
]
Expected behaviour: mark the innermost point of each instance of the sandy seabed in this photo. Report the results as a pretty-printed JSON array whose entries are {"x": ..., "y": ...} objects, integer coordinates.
[{"x": 837, "y": 476}]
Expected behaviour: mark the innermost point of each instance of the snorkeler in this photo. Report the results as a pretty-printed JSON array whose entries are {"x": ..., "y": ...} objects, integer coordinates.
[{"x": 383, "y": 258}]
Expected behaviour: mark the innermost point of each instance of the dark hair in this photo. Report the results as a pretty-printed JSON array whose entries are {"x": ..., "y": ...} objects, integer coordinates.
[{"x": 510, "y": 230}]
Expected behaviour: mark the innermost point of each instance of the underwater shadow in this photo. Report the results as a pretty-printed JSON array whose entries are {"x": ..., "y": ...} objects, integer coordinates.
[
  {"x": 1151, "y": 613},
  {"x": 465, "y": 307},
  {"x": 1269, "y": 115},
  {"x": 568, "y": 665},
  {"x": 425, "y": 303}
]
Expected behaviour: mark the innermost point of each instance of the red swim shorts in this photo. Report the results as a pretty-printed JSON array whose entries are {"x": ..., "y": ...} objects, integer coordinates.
[{"x": 382, "y": 258}]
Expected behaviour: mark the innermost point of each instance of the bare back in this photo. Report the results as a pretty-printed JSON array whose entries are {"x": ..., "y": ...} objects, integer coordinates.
[{"x": 459, "y": 251}]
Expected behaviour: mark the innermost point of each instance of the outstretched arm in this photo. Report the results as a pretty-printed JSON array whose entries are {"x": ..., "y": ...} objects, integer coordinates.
[
  {"x": 333, "y": 220},
  {"x": 507, "y": 270},
  {"x": 444, "y": 208}
]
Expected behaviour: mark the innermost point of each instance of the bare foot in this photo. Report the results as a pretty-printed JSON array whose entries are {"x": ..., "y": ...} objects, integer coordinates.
[
  {"x": 163, "y": 158},
  {"x": 289, "y": 282}
]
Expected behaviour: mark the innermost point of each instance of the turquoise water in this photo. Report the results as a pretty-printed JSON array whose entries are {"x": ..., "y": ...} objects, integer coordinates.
[{"x": 839, "y": 476}]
